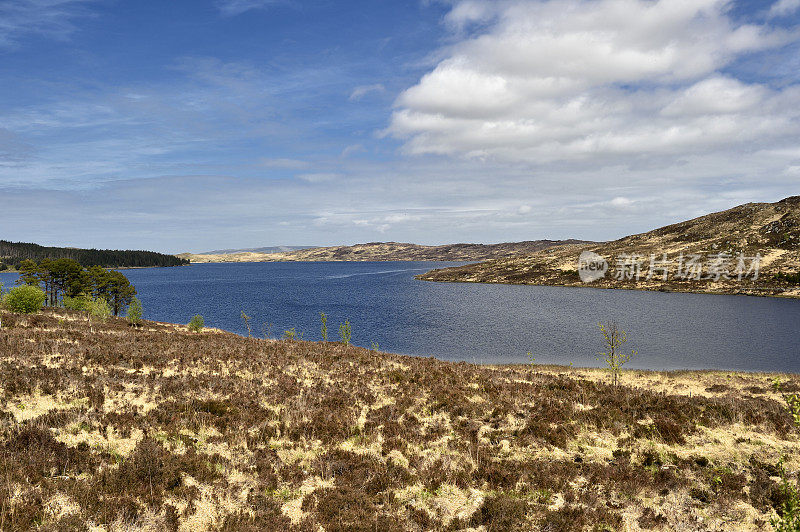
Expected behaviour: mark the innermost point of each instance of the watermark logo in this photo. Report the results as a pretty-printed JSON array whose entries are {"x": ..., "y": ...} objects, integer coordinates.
[
  {"x": 693, "y": 267},
  {"x": 591, "y": 266}
]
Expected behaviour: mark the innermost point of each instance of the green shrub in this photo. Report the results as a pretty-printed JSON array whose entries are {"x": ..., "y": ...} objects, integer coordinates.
[
  {"x": 791, "y": 278},
  {"x": 99, "y": 309},
  {"x": 76, "y": 303},
  {"x": 197, "y": 323},
  {"x": 345, "y": 331},
  {"x": 290, "y": 334},
  {"x": 324, "y": 328},
  {"x": 135, "y": 312},
  {"x": 788, "y": 519},
  {"x": 25, "y": 299}
]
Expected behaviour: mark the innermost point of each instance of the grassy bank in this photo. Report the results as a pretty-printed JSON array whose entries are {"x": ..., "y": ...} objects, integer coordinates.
[{"x": 159, "y": 428}]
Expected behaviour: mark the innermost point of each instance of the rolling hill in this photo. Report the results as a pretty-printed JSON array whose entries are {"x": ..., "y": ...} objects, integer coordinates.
[
  {"x": 389, "y": 251},
  {"x": 770, "y": 230},
  {"x": 268, "y": 249}
]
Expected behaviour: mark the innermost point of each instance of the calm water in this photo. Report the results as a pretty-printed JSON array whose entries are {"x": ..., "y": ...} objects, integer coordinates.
[{"x": 473, "y": 322}]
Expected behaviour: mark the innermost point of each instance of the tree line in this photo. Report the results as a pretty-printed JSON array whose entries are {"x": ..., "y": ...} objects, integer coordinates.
[
  {"x": 13, "y": 253},
  {"x": 64, "y": 280}
]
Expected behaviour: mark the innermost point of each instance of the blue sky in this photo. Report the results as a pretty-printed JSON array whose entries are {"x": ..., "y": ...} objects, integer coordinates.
[{"x": 195, "y": 125}]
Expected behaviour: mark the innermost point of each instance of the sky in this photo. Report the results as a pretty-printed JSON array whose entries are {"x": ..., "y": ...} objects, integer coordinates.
[{"x": 193, "y": 125}]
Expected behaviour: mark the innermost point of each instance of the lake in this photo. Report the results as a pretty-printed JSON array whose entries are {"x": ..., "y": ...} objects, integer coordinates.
[{"x": 478, "y": 323}]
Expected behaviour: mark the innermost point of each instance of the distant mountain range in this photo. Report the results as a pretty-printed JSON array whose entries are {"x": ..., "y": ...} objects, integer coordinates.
[
  {"x": 387, "y": 251},
  {"x": 715, "y": 241}
]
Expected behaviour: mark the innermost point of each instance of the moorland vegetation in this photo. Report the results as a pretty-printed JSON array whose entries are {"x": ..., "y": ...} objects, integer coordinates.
[{"x": 156, "y": 427}]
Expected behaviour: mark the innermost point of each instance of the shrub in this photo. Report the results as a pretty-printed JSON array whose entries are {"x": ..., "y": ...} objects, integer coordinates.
[
  {"x": 324, "y": 328},
  {"x": 500, "y": 512},
  {"x": 788, "y": 519},
  {"x": 246, "y": 319},
  {"x": 791, "y": 278},
  {"x": 345, "y": 331},
  {"x": 99, "y": 309},
  {"x": 76, "y": 303},
  {"x": 197, "y": 323},
  {"x": 135, "y": 312},
  {"x": 25, "y": 299},
  {"x": 614, "y": 338},
  {"x": 290, "y": 334}
]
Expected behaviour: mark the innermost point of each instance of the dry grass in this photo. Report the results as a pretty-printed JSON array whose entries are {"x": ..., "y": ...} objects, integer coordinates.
[{"x": 158, "y": 428}]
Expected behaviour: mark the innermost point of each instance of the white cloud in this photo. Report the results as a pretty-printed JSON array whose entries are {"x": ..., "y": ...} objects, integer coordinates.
[
  {"x": 281, "y": 162},
  {"x": 231, "y": 8},
  {"x": 468, "y": 12},
  {"x": 352, "y": 149},
  {"x": 600, "y": 80},
  {"x": 318, "y": 177},
  {"x": 363, "y": 90},
  {"x": 783, "y": 8},
  {"x": 52, "y": 18}
]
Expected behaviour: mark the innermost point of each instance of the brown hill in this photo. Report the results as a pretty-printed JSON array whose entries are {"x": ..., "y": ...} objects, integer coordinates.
[
  {"x": 390, "y": 251},
  {"x": 768, "y": 230}
]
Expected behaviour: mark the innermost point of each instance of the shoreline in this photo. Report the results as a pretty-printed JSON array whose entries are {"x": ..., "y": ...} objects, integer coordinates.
[
  {"x": 549, "y": 368},
  {"x": 431, "y": 277},
  {"x": 13, "y": 270}
]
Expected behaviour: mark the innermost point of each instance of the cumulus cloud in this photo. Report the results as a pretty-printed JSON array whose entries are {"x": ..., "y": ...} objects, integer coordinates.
[{"x": 606, "y": 81}]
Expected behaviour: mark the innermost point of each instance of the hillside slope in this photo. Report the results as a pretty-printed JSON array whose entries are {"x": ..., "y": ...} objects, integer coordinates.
[
  {"x": 268, "y": 249},
  {"x": 390, "y": 251},
  {"x": 771, "y": 230},
  {"x": 158, "y": 428}
]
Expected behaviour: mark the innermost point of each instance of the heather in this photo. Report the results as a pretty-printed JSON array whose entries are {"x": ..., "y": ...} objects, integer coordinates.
[{"x": 156, "y": 427}]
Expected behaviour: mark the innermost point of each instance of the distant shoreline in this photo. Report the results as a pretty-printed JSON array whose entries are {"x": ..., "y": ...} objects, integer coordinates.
[
  {"x": 14, "y": 270},
  {"x": 762, "y": 291}
]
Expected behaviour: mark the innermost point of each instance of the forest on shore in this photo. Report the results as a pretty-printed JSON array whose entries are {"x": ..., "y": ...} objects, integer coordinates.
[{"x": 13, "y": 253}]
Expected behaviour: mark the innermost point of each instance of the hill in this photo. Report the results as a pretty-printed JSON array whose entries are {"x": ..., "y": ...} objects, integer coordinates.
[
  {"x": 12, "y": 253},
  {"x": 268, "y": 249},
  {"x": 720, "y": 240},
  {"x": 157, "y": 428},
  {"x": 389, "y": 251}
]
